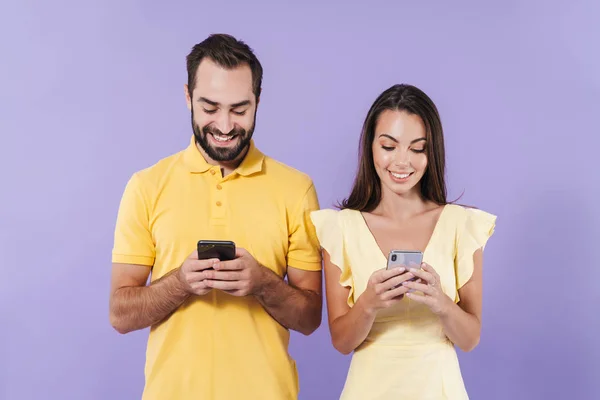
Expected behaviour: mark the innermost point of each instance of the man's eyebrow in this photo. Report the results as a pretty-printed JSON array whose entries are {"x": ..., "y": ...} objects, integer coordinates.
[
  {"x": 216, "y": 104},
  {"x": 240, "y": 104},
  {"x": 212, "y": 103}
]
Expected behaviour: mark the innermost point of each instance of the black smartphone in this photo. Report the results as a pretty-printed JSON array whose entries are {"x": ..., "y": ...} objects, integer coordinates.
[{"x": 224, "y": 250}]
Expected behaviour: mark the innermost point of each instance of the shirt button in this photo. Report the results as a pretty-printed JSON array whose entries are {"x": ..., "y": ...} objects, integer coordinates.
[
  {"x": 212, "y": 171},
  {"x": 218, "y": 204},
  {"x": 219, "y": 187}
]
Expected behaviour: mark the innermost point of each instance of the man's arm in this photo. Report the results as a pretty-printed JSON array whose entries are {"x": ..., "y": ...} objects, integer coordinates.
[
  {"x": 297, "y": 305},
  {"x": 133, "y": 305}
]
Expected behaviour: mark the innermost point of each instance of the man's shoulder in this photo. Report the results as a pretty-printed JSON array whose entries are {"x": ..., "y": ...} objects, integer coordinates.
[
  {"x": 286, "y": 175},
  {"x": 156, "y": 172}
]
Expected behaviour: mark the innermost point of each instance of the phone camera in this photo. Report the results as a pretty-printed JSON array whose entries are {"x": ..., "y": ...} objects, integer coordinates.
[{"x": 394, "y": 257}]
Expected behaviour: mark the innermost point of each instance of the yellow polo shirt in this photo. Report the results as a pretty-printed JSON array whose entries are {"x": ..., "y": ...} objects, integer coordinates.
[{"x": 218, "y": 346}]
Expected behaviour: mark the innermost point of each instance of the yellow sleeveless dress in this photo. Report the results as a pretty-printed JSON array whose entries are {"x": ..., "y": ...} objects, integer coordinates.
[{"x": 406, "y": 355}]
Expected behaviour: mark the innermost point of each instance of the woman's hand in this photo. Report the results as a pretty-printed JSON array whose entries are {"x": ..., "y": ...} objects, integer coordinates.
[
  {"x": 384, "y": 289},
  {"x": 429, "y": 285}
]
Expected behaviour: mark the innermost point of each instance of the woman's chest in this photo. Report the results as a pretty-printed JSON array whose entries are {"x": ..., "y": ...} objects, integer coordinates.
[{"x": 368, "y": 249}]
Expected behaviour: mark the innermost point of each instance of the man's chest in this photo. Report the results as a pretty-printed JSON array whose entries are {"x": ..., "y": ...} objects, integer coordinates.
[{"x": 255, "y": 220}]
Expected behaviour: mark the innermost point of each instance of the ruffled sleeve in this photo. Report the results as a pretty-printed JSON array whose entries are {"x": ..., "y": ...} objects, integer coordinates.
[
  {"x": 477, "y": 228},
  {"x": 329, "y": 230}
]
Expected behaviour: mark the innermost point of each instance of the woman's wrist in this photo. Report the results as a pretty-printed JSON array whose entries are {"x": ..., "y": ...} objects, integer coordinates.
[{"x": 364, "y": 308}]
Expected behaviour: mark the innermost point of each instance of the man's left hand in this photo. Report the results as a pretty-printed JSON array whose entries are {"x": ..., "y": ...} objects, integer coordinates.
[{"x": 242, "y": 276}]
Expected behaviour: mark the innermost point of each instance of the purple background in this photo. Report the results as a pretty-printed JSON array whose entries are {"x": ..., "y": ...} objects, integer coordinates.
[{"x": 92, "y": 91}]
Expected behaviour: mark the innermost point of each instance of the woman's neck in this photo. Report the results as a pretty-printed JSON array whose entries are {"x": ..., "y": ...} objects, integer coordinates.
[{"x": 401, "y": 207}]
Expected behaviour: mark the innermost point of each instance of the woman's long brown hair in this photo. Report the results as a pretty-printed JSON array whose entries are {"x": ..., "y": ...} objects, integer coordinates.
[{"x": 366, "y": 190}]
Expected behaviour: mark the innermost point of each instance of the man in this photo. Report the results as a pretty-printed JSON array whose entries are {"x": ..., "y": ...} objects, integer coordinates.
[{"x": 219, "y": 330}]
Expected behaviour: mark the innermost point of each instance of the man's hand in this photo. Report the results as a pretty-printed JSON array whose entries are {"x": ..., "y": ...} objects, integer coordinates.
[
  {"x": 242, "y": 276},
  {"x": 192, "y": 274},
  {"x": 297, "y": 308}
]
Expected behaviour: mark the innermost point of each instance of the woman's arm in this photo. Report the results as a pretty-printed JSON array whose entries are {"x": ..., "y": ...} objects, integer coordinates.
[
  {"x": 349, "y": 326},
  {"x": 461, "y": 322}
]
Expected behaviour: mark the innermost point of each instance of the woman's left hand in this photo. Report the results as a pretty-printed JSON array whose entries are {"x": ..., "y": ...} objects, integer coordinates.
[{"x": 430, "y": 286}]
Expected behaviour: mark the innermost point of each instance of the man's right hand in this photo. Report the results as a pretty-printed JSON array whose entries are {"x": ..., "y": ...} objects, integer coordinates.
[{"x": 191, "y": 274}]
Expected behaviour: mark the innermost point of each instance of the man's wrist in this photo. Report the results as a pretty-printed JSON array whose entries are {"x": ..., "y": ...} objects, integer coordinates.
[
  {"x": 267, "y": 282},
  {"x": 178, "y": 285}
]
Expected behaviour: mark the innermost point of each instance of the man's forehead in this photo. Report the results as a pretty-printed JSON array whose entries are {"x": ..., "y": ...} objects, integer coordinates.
[{"x": 214, "y": 78}]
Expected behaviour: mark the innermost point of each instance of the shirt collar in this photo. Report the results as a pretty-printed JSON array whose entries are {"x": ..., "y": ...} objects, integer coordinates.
[{"x": 252, "y": 163}]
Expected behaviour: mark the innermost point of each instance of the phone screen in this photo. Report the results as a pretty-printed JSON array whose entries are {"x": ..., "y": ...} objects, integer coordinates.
[
  {"x": 407, "y": 259},
  {"x": 223, "y": 250}
]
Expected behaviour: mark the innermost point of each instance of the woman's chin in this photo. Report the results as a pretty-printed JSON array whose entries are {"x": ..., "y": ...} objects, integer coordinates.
[{"x": 402, "y": 190}]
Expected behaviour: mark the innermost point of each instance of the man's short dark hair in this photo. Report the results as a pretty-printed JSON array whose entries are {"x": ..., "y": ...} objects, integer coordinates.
[{"x": 227, "y": 52}]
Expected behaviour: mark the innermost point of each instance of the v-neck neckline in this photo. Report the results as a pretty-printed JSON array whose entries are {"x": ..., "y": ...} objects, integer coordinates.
[{"x": 376, "y": 245}]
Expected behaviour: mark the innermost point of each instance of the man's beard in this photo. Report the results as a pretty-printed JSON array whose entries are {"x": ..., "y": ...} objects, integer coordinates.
[{"x": 222, "y": 153}]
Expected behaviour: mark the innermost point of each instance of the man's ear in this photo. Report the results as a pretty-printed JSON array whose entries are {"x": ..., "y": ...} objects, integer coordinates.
[
  {"x": 258, "y": 96},
  {"x": 188, "y": 97}
]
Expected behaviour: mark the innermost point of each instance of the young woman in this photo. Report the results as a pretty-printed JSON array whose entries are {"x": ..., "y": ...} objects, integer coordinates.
[{"x": 403, "y": 330}]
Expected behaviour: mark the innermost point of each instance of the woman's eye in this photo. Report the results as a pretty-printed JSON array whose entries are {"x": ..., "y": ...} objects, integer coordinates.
[{"x": 386, "y": 148}]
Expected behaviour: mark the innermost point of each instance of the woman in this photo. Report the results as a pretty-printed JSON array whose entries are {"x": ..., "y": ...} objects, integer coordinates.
[{"x": 403, "y": 330}]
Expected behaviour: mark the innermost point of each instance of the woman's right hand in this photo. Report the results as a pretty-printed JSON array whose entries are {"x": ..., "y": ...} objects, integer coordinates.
[{"x": 381, "y": 291}]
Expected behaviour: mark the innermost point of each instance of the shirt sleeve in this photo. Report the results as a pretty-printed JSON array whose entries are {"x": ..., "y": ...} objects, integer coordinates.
[
  {"x": 133, "y": 243},
  {"x": 477, "y": 228},
  {"x": 330, "y": 235},
  {"x": 304, "y": 251}
]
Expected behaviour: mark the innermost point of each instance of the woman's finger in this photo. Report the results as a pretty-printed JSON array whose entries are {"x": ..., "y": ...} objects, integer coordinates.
[
  {"x": 396, "y": 280},
  {"x": 431, "y": 270},
  {"x": 393, "y": 293},
  {"x": 426, "y": 276},
  {"x": 384, "y": 274},
  {"x": 426, "y": 289},
  {"x": 419, "y": 298}
]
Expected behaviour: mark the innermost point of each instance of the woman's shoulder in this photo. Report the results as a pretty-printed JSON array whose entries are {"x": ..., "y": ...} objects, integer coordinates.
[
  {"x": 466, "y": 219},
  {"x": 467, "y": 212},
  {"x": 332, "y": 218},
  {"x": 334, "y": 213}
]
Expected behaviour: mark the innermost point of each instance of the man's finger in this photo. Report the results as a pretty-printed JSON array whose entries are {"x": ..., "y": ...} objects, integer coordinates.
[
  {"x": 240, "y": 252},
  {"x": 215, "y": 275},
  {"x": 194, "y": 255},
  {"x": 201, "y": 265},
  {"x": 231, "y": 265},
  {"x": 198, "y": 285},
  {"x": 194, "y": 277},
  {"x": 223, "y": 285}
]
